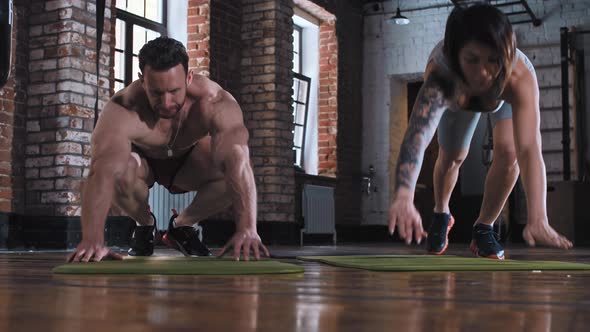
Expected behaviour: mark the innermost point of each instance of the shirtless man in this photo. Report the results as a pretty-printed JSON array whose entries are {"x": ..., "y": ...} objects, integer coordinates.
[{"x": 180, "y": 130}]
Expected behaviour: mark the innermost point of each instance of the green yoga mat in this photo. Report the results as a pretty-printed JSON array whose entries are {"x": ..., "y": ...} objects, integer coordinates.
[
  {"x": 440, "y": 263},
  {"x": 179, "y": 266}
]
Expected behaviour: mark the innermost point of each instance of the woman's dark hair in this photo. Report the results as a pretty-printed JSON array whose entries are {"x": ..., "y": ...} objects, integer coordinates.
[
  {"x": 163, "y": 53},
  {"x": 485, "y": 24}
]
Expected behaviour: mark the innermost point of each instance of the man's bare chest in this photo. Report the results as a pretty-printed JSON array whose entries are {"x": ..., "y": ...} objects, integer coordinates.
[{"x": 168, "y": 139}]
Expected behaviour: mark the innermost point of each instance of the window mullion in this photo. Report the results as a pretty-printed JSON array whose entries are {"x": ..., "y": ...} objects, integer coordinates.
[
  {"x": 130, "y": 20},
  {"x": 128, "y": 52}
]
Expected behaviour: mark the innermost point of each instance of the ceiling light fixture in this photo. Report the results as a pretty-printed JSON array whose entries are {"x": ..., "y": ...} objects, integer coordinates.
[{"x": 398, "y": 18}]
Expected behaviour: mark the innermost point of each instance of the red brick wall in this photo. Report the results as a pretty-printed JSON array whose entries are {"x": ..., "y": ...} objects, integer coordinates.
[
  {"x": 328, "y": 102},
  {"x": 265, "y": 96},
  {"x": 328, "y": 88},
  {"x": 61, "y": 96},
  {"x": 12, "y": 113},
  {"x": 247, "y": 47},
  {"x": 248, "y": 52},
  {"x": 198, "y": 35},
  {"x": 348, "y": 30},
  {"x": 225, "y": 43}
]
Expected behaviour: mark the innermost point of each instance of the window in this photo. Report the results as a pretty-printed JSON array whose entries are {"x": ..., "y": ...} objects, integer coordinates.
[
  {"x": 301, "y": 87},
  {"x": 305, "y": 92},
  {"x": 138, "y": 21},
  {"x": 153, "y": 10}
]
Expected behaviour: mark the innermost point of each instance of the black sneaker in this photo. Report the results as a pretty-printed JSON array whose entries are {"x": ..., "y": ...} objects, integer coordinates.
[
  {"x": 143, "y": 240},
  {"x": 438, "y": 233},
  {"x": 484, "y": 243},
  {"x": 185, "y": 239}
]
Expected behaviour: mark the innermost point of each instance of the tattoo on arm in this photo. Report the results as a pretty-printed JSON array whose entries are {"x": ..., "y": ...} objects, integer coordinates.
[{"x": 426, "y": 114}]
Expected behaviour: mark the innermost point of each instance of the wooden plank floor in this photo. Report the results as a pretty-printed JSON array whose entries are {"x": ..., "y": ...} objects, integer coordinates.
[{"x": 324, "y": 298}]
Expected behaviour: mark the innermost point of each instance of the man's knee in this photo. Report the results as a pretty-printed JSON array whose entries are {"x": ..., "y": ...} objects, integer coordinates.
[
  {"x": 126, "y": 182},
  {"x": 222, "y": 188},
  {"x": 219, "y": 189}
]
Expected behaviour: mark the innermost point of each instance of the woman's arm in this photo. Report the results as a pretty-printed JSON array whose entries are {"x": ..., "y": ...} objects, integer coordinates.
[
  {"x": 524, "y": 98},
  {"x": 428, "y": 109},
  {"x": 426, "y": 113},
  {"x": 527, "y": 139}
]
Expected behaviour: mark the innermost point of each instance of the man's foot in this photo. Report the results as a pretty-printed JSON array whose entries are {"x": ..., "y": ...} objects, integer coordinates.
[
  {"x": 185, "y": 239},
  {"x": 484, "y": 243},
  {"x": 143, "y": 239},
  {"x": 545, "y": 235},
  {"x": 438, "y": 233}
]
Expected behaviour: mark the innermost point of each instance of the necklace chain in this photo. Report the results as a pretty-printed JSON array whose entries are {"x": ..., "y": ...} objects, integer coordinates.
[{"x": 169, "y": 146}]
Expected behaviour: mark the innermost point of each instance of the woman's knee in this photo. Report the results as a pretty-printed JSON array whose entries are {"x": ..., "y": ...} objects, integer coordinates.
[
  {"x": 451, "y": 160},
  {"x": 505, "y": 158}
]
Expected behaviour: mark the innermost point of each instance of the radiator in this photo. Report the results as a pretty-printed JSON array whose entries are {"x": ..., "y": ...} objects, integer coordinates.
[
  {"x": 162, "y": 202},
  {"x": 318, "y": 211}
]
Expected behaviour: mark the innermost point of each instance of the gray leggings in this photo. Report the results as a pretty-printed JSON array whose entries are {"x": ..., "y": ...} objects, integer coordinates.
[{"x": 456, "y": 128}]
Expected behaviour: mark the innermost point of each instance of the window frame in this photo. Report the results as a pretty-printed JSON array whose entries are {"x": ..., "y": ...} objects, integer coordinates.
[
  {"x": 300, "y": 77},
  {"x": 129, "y": 20},
  {"x": 299, "y": 54}
]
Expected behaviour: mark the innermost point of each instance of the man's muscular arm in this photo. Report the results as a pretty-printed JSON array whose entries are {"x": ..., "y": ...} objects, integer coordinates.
[
  {"x": 110, "y": 153},
  {"x": 230, "y": 151}
]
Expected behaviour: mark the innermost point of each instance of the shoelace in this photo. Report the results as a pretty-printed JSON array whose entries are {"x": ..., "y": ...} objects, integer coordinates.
[
  {"x": 144, "y": 234},
  {"x": 492, "y": 236},
  {"x": 438, "y": 229},
  {"x": 188, "y": 231}
]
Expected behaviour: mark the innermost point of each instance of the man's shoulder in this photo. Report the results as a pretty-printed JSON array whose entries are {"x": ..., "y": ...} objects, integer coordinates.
[
  {"x": 207, "y": 91},
  {"x": 130, "y": 104},
  {"x": 214, "y": 105},
  {"x": 130, "y": 97}
]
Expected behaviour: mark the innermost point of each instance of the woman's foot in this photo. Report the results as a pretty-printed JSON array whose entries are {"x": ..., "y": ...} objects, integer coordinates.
[
  {"x": 544, "y": 235},
  {"x": 438, "y": 233},
  {"x": 484, "y": 243}
]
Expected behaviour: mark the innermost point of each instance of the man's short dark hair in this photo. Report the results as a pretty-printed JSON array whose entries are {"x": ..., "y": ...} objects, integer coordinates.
[{"x": 163, "y": 53}]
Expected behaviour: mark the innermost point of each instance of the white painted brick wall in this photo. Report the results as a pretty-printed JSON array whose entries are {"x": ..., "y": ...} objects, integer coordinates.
[
  {"x": 73, "y": 160},
  {"x": 395, "y": 51},
  {"x": 71, "y": 135},
  {"x": 61, "y": 148},
  {"x": 60, "y": 197}
]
